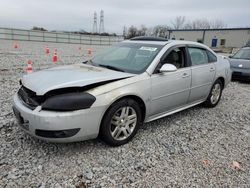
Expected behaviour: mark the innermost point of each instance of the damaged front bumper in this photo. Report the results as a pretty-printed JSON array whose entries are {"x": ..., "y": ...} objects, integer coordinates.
[{"x": 58, "y": 126}]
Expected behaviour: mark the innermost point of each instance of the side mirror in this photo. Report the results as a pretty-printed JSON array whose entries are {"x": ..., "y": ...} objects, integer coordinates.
[
  {"x": 168, "y": 68},
  {"x": 230, "y": 56}
]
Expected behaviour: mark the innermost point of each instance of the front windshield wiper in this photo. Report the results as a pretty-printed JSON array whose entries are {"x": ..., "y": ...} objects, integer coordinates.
[
  {"x": 100, "y": 65},
  {"x": 111, "y": 67},
  {"x": 90, "y": 62}
]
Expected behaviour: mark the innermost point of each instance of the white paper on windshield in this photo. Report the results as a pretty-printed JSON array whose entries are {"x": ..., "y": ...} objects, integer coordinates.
[{"x": 151, "y": 49}]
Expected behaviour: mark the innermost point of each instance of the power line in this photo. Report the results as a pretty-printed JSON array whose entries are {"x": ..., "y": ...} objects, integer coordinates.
[
  {"x": 101, "y": 28},
  {"x": 95, "y": 23}
]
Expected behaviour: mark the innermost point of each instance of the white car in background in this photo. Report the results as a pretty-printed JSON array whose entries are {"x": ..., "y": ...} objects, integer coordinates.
[{"x": 111, "y": 95}]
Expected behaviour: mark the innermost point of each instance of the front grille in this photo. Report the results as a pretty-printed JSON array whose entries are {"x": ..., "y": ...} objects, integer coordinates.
[
  {"x": 240, "y": 76},
  {"x": 29, "y": 98},
  {"x": 237, "y": 73}
]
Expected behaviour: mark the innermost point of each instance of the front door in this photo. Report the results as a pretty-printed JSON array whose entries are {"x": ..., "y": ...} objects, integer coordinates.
[{"x": 170, "y": 90}]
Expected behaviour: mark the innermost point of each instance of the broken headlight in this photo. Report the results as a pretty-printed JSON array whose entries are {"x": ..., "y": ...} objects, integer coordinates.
[{"x": 69, "y": 102}]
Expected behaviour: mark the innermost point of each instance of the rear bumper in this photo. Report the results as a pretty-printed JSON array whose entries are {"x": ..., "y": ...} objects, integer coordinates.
[{"x": 58, "y": 126}]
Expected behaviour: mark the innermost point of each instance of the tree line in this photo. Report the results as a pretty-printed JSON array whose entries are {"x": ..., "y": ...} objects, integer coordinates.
[{"x": 180, "y": 22}]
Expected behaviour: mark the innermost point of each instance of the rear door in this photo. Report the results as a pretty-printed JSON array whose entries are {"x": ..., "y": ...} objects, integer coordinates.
[{"x": 203, "y": 72}]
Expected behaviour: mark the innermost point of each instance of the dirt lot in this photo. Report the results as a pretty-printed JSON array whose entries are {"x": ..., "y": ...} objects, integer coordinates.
[{"x": 198, "y": 147}]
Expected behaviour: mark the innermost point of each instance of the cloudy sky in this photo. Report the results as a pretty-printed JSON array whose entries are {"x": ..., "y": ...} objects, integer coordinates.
[{"x": 78, "y": 14}]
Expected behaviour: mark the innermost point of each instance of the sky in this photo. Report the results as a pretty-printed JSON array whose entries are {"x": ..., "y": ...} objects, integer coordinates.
[{"x": 73, "y": 15}]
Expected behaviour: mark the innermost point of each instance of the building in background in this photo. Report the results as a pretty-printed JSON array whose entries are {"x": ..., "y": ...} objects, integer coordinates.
[{"x": 214, "y": 38}]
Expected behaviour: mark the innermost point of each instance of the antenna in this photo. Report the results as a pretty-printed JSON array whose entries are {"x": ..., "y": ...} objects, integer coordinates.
[
  {"x": 101, "y": 28},
  {"x": 95, "y": 23}
]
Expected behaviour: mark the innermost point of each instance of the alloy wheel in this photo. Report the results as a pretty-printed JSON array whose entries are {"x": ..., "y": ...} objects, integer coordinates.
[
  {"x": 216, "y": 92},
  {"x": 123, "y": 123}
]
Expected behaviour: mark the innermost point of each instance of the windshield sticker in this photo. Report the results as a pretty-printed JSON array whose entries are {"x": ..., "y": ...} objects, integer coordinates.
[{"x": 152, "y": 49}]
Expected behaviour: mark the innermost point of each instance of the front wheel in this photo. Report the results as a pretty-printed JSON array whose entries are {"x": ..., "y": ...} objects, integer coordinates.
[
  {"x": 121, "y": 122},
  {"x": 214, "y": 95}
]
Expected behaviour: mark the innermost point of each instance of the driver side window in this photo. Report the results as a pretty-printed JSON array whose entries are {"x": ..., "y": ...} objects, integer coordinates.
[{"x": 175, "y": 57}]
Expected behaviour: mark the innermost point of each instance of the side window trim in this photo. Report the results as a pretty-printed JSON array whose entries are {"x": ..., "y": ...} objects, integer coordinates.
[
  {"x": 187, "y": 62},
  {"x": 209, "y": 58},
  {"x": 197, "y": 47},
  {"x": 207, "y": 51}
]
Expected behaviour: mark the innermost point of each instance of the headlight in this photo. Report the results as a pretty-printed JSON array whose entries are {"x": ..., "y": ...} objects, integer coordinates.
[{"x": 69, "y": 102}]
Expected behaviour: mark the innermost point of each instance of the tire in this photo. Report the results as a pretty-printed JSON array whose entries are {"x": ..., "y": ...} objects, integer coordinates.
[
  {"x": 121, "y": 122},
  {"x": 215, "y": 95}
]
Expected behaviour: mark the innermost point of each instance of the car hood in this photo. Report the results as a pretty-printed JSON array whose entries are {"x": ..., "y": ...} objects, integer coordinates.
[
  {"x": 240, "y": 63},
  {"x": 77, "y": 75}
]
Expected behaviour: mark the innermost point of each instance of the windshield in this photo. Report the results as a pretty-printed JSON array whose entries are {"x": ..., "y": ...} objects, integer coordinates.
[
  {"x": 242, "y": 54},
  {"x": 127, "y": 57}
]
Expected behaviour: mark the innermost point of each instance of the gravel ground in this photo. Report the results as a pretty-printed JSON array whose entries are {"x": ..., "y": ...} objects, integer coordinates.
[{"x": 198, "y": 147}]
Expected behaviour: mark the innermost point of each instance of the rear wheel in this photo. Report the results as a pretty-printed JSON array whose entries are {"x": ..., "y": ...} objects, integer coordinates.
[
  {"x": 121, "y": 122},
  {"x": 214, "y": 95}
]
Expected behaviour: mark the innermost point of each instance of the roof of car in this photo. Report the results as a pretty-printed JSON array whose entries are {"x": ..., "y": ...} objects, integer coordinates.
[
  {"x": 148, "y": 38},
  {"x": 160, "y": 41},
  {"x": 170, "y": 42}
]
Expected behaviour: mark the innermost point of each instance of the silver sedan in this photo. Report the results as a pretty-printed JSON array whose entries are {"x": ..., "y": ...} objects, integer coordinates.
[{"x": 113, "y": 94}]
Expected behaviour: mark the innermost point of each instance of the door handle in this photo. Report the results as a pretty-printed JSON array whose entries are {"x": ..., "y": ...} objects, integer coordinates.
[
  {"x": 212, "y": 69},
  {"x": 185, "y": 75}
]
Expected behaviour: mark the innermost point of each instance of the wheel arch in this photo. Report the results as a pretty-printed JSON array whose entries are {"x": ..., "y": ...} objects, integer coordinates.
[
  {"x": 222, "y": 81},
  {"x": 136, "y": 98},
  {"x": 140, "y": 102}
]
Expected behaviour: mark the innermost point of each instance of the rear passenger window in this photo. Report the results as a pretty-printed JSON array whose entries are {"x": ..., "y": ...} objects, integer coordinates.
[
  {"x": 198, "y": 56},
  {"x": 211, "y": 57}
]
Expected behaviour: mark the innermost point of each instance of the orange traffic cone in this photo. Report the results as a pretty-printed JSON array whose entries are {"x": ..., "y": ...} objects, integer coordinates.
[
  {"x": 29, "y": 67},
  {"x": 30, "y": 62},
  {"x": 55, "y": 59},
  {"x": 90, "y": 51},
  {"x": 47, "y": 50},
  {"x": 15, "y": 45}
]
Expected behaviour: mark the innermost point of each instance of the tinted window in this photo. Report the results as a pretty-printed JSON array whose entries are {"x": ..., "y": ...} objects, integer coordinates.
[
  {"x": 211, "y": 57},
  {"x": 198, "y": 56}
]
